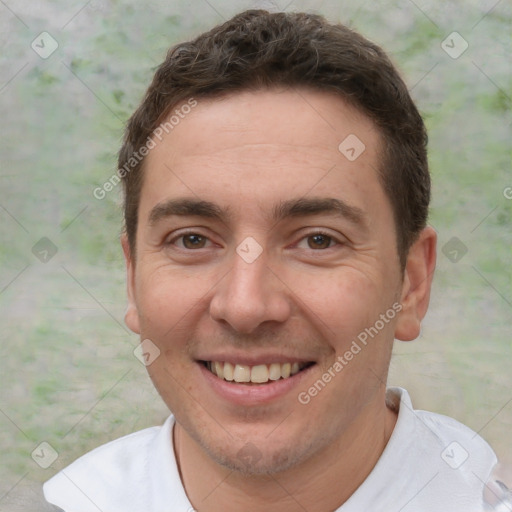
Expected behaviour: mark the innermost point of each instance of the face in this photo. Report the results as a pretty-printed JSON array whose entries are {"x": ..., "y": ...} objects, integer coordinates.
[{"x": 263, "y": 250}]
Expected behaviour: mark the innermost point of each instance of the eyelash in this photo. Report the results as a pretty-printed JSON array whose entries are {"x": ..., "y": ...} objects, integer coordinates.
[
  {"x": 183, "y": 235},
  {"x": 333, "y": 239}
]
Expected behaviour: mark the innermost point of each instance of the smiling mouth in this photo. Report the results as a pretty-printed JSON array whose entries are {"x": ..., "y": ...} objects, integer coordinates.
[{"x": 258, "y": 374}]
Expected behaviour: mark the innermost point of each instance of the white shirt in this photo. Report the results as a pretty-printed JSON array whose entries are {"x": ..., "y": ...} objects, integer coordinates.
[{"x": 431, "y": 463}]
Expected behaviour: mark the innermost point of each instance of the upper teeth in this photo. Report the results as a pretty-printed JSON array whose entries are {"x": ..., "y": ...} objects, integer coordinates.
[{"x": 260, "y": 373}]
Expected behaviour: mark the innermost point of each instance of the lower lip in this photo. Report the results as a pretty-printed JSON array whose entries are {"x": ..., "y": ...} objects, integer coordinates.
[{"x": 252, "y": 394}]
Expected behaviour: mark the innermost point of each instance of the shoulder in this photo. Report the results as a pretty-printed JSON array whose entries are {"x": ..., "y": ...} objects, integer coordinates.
[
  {"x": 432, "y": 462},
  {"x": 459, "y": 444},
  {"x": 433, "y": 430},
  {"x": 114, "y": 474},
  {"x": 461, "y": 463}
]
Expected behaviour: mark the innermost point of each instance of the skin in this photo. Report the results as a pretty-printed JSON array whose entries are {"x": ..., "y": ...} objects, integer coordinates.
[{"x": 304, "y": 296}]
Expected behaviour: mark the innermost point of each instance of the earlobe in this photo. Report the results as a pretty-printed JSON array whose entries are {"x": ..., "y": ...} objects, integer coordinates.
[
  {"x": 131, "y": 316},
  {"x": 416, "y": 286}
]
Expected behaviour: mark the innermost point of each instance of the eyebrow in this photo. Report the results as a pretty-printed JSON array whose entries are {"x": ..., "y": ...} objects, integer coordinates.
[
  {"x": 301, "y": 207},
  {"x": 186, "y": 208},
  {"x": 320, "y": 206}
]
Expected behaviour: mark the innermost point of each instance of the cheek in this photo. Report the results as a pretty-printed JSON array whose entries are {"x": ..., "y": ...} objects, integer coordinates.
[
  {"x": 165, "y": 300},
  {"x": 344, "y": 303},
  {"x": 353, "y": 307}
]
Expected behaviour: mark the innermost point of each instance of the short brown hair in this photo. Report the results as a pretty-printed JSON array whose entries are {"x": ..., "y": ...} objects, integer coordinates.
[{"x": 257, "y": 49}]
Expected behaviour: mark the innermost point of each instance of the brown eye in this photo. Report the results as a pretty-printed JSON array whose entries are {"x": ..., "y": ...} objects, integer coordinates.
[
  {"x": 319, "y": 241},
  {"x": 193, "y": 241}
]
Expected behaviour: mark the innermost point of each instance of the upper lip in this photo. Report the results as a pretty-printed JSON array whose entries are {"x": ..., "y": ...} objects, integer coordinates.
[{"x": 253, "y": 359}]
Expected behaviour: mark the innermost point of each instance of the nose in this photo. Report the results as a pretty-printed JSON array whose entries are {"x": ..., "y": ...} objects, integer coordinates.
[{"x": 249, "y": 295}]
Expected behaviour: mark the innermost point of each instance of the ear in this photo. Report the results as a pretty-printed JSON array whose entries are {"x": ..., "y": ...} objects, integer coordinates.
[
  {"x": 131, "y": 317},
  {"x": 418, "y": 274}
]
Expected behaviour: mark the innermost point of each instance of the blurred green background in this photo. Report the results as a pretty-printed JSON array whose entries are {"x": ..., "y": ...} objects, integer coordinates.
[{"x": 69, "y": 376}]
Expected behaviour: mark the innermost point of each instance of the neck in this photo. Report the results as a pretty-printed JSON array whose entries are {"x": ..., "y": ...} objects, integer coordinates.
[{"x": 323, "y": 482}]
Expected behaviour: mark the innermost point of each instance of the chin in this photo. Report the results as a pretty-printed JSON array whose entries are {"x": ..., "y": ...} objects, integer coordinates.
[{"x": 249, "y": 460}]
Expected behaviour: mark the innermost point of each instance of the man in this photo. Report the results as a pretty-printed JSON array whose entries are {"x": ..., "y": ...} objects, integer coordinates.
[{"x": 276, "y": 198}]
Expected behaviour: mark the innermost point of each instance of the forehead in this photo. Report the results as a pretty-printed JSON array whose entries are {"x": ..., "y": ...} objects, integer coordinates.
[
  {"x": 296, "y": 116},
  {"x": 262, "y": 146}
]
